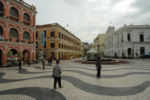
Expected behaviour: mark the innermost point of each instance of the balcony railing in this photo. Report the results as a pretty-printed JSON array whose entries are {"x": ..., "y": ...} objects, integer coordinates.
[{"x": 24, "y": 3}]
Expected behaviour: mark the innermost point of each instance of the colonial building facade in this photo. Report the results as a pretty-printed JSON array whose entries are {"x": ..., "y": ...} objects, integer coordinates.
[
  {"x": 99, "y": 44},
  {"x": 17, "y": 26},
  {"x": 57, "y": 42},
  {"x": 128, "y": 41}
]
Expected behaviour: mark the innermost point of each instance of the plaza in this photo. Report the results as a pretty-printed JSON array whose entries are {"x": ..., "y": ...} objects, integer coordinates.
[{"x": 118, "y": 82}]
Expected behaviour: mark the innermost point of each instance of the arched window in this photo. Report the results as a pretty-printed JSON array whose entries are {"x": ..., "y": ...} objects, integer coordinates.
[
  {"x": 14, "y": 13},
  {"x": 26, "y": 36},
  {"x": 13, "y": 33},
  {"x": 129, "y": 37},
  {"x": 1, "y": 31},
  {"x": 26, "y": 18},
  {"x": 1, "y": 9}
]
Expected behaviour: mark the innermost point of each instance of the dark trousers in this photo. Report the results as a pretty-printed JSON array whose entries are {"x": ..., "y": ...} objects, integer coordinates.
[
  {"x": 98, "y": 72},
  {"x": 57, "y": 79},
  {"x": 19, "y": 66}
]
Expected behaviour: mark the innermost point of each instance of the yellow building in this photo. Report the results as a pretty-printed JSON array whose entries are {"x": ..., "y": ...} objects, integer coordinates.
[
  {"x": 99, "y": 44},
  {"x": 57, "y": 42}
]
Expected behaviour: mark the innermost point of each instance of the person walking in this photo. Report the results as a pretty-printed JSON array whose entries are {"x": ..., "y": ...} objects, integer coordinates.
[
  {"x": 57, "y": 74},
  {"x": 51, "y": 61},
  {"x": 28, "y": 61},
  {"x": 43, "y": 63},
  {"x": 20, "y": 64},
  {"x": 98, "y": 67}
]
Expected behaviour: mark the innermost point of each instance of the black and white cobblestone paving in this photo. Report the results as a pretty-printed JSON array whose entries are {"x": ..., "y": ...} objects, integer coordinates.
[{"x": 118, "y": 82}]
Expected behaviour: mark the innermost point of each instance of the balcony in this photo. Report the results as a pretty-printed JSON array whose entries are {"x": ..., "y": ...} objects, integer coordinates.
[
  {"x": 14, "y": 18},
  {"x": 26, "y": 22}
]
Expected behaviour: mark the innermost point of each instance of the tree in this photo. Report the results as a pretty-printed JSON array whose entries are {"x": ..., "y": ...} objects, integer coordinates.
[
  {"x": 20, "y": 55},
  {"x": 10, "y": 54}
]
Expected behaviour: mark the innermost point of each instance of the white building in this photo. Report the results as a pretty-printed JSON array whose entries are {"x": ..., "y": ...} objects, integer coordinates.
[{"x": 128, "y": 41}]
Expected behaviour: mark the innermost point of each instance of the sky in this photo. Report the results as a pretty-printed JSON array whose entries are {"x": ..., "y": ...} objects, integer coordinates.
[{"x": 88, "y": 18}]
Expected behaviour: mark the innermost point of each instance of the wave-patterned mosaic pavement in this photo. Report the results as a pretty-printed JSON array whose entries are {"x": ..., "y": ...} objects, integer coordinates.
[{"x": 118, "y": 82}]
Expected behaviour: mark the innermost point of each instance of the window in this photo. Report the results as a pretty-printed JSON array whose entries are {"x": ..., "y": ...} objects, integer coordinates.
[
  {"x": 26, "y": 19},
  {"x": 129, "y": 51},
  {"x": 1, "y": 9},
  {"x": 52, "y": 45},
  {"x": 59, "y": 34},
  {"x": 37, "y": 34},
  {"x": 26, "y": 36},
  {"x": 45, "y": 44},
  {"x": 13, "y": 33},
  {"x": 45, "y": 32},
  {"x": 52, "y": 33},
  {"x": 141, "y": 38},
  {"x": 14, "y": 14},
  {"x": 1, "y": 31},
  {"x": 142, "y": 50},
  {"x": 36, "y": 44},
  {"x": 62, "y": 36},
  {"x": 129, "y": 37}
]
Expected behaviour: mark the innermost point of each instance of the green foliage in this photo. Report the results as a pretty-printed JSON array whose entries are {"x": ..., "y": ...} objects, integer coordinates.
[
  {"x": 10, "y": 54},
  {"x": 20, "y": 55}
]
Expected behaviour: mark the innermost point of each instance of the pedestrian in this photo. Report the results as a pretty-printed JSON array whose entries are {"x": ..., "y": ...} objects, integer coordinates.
[
  {"x": 28, "y": 61},
  {"x": 48, "y": 60},
  {"x": 51, "y": 61},
  {"x": 20, "y": 64},
  {"x": 98, "y": 67},
  {"x": 57, "y": 74},
  {"x": 43, "y": 63}
]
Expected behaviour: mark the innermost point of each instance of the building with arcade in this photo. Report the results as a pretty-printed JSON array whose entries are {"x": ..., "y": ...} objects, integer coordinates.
[{"x": 17, "y": 26}]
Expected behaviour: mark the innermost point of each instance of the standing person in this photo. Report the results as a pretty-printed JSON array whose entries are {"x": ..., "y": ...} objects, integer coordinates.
[
  {"x": 20, "y": 63},
  {"x": 43, "y": 63},
  {"x": 98, "y": 67},
  {"x": 57, "y": 74}
]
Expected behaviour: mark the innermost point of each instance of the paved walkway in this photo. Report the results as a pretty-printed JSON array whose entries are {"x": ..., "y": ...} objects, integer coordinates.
[{"x": 118, "y": 82}]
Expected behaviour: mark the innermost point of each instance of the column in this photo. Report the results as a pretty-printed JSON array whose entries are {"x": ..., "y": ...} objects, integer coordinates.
[
  {"x": 34, "y": 20},
  {"x": 6, "y": 32},
  {"x": 31, "y": 20},
  {"x": 6, "y": 10},
  {"x": 20, "y": 16},
  {"x": 4, "y": 60},
  {"x": 20, "y": 36}
]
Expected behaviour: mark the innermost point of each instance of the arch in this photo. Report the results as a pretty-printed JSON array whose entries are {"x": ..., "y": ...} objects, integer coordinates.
[
  {"x": 1, "y": 54},
  {"x": 14, "y": 51},
  {"x": 26, "y": 35},
  {"x": 1, "y": 9},
  {"x": 13, "y": 33},
  {"x": 14, "y": 13}
]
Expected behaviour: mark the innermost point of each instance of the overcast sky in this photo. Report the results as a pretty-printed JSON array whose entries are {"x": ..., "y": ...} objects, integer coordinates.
[{"x": 88, "y": 18}]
